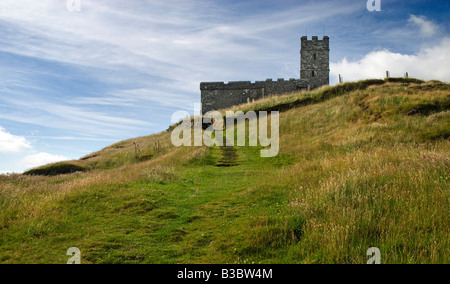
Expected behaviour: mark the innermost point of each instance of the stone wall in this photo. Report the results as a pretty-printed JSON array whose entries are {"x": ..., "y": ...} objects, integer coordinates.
[
  {"x": 314, "y": 73},
  {"x": 219, "y": 95}
]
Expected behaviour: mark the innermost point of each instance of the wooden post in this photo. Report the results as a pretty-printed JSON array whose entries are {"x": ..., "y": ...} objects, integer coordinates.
[{"x": 137, "y": 150}]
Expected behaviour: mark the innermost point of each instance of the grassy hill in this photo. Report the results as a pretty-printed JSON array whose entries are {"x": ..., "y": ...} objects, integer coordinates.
[{"x": 361, "y": 165}]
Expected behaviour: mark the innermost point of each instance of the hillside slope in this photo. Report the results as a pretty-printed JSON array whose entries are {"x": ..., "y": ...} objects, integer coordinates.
[{"x": 361, "y": 165}]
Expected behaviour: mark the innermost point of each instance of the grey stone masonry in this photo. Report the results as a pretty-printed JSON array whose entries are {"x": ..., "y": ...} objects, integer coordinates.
[
  {"x": 219, "y": 95},
  {"x": 315, "y": 61},
  {"x": 314, "y": 73}
]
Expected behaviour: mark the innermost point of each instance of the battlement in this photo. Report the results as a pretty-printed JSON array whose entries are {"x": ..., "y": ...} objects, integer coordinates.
[
  {"x": 315, "y": 38},
  {"x": 233, "y": 85},
  {"x": 315, "y": 43}
]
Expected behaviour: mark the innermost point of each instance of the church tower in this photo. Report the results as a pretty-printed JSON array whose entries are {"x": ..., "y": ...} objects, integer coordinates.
[{"x": 315, "y": 61}]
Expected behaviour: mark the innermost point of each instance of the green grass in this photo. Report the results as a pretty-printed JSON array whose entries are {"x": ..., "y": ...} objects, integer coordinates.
[{"x": 356, "y": 169}]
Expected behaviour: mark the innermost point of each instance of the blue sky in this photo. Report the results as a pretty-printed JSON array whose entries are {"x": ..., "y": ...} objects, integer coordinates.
[{"x": 75, "y": 82}]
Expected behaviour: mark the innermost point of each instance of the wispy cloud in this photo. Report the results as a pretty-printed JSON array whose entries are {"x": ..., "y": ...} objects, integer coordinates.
[
  {"x": 178, "y": 44},
  {"x": 427, "y": 28},
  {"x": 71, "y": 138},
  {"x": 29, "y": 109}
]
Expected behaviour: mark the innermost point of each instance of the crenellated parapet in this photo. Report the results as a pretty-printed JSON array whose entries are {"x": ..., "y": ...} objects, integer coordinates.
[
  {"x": 315, "y": 43},
  {"x": 233, "y": 85}
]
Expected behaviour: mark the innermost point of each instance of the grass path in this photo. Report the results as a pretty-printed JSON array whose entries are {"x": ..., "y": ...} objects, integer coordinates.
[{"x": 156, "y": 222}]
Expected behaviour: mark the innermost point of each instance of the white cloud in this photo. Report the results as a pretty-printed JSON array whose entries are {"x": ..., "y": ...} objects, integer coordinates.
[
  {"x": 427, "y": 28},
  {"x": 40, "y": 159},
  {"x": 429, "y": 64},
  {"x": 154, "y": 38},
  {"x": 16, "y": 153},
  {"x": 12, "y": 144}
]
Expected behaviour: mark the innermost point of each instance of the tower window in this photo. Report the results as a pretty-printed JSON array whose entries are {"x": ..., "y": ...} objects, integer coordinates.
[
  {"x": 313, "y": 74},
  {"x": 315, "y": 56}
]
